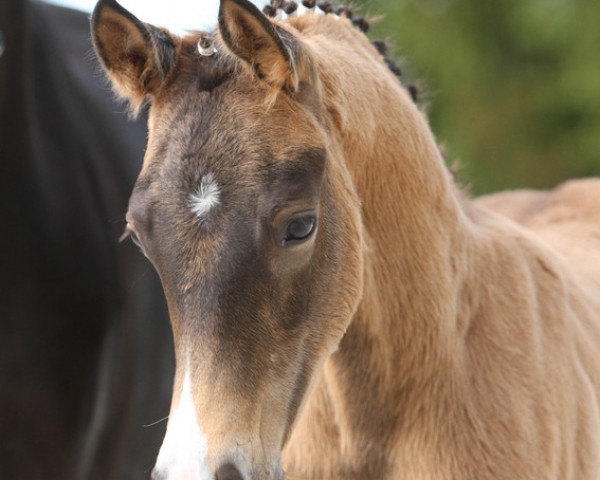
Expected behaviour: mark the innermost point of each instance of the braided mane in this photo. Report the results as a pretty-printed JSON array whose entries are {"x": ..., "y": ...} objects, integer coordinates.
[{"x": 282, "y": 10}]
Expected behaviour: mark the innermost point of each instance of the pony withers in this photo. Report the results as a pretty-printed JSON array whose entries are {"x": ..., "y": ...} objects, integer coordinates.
[{"x": 340, "y": 309}]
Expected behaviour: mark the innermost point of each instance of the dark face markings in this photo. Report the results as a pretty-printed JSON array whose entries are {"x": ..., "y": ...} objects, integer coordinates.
[
  {"x": 239, "y": 206},
  {"x": 232, "y": 289}
]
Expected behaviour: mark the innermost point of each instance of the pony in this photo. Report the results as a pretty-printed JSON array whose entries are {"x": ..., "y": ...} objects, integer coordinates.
[{"x": 340, "y": 308}]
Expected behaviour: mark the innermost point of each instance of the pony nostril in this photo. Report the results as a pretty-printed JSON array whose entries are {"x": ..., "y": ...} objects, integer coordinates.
[{"x": 228, "y": 472}]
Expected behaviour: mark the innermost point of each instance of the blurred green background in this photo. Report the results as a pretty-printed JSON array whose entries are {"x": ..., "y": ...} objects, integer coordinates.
[{"x": 512, "y": 87}]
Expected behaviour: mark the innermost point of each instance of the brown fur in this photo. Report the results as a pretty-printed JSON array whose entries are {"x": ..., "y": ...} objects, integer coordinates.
[{"x": 465, "y": 345}]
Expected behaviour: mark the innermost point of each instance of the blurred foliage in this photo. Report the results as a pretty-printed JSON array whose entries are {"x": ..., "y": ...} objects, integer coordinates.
[{"x": 512, "y": 86}]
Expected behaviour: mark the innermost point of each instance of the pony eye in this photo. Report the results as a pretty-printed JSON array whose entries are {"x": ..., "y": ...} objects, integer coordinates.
[
  {"x": 129, "y": 232},
  {"x": 136, "y": 240},
  {"x": 300, "y": 228}
]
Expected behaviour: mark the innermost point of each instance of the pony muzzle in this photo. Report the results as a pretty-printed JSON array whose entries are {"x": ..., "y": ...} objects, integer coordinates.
[{"x": 214, "y": 449}]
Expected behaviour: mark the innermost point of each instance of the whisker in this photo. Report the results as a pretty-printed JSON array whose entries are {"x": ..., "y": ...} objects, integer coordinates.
[
  {"x": 117, "y": 219},
  {"x": 137, "y": 280},
  {"x": 155, "y": 423}
]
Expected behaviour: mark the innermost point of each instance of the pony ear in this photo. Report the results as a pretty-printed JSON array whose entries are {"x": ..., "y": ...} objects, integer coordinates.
[
  {"x": 267, "y": 48},
  {"x": 137, "y": 57}
]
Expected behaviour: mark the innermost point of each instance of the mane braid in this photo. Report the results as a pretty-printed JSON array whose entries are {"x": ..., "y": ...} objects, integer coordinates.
[{"x": 281, "y": 10}]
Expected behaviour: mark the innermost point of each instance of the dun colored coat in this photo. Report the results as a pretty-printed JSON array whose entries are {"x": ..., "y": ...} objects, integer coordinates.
[{"x": 340, "y": 309}]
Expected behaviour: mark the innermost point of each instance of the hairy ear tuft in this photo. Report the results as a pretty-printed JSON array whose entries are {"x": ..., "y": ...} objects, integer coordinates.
[
  {"x": 267, "y": 48},
  {"x": 137, "y": 57}
]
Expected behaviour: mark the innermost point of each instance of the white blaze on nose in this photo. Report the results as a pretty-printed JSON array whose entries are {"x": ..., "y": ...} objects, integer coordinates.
[
  {"x": 206, "y": 196},
  {"x": 184, "y": 452}
]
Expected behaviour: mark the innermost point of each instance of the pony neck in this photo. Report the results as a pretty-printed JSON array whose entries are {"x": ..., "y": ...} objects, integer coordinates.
[{"x": 397, "y": 355}]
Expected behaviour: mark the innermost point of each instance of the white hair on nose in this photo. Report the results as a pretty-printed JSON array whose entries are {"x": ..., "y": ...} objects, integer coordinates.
[
  {"x": 184, "y": 452},
  {"x": 206, "y": 196}
]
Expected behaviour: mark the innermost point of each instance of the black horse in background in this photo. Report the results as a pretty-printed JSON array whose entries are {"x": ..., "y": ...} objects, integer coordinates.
[{"x": 85, "y": 346}]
